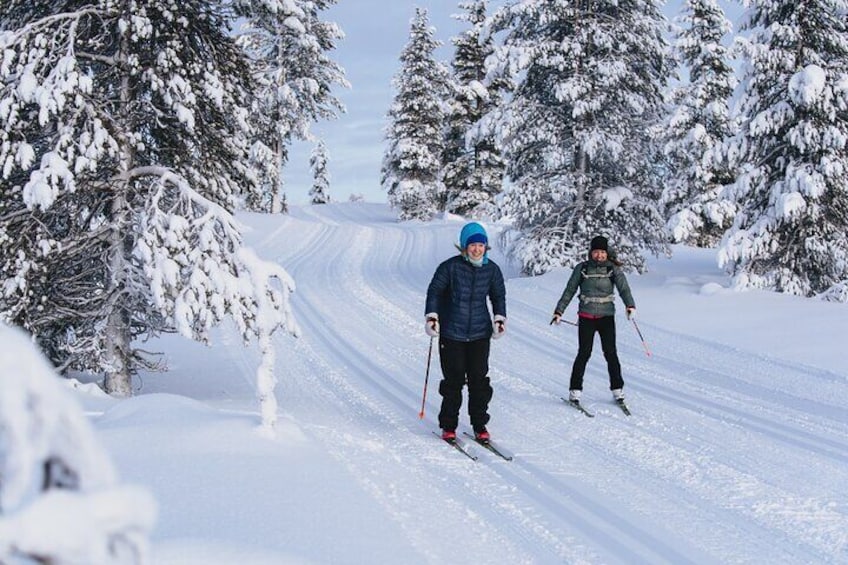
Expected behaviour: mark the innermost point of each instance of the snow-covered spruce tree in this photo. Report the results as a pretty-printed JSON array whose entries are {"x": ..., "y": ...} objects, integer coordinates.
[
  {"x": 288, "y": 44},
  {"x": 123, "y": 143},
  {"x": 575, "y": 134},
  {"x": 412, "y": 161},
  {"x": 53, "y": 466},
  {"x": 52, "y": 264},
  {"x": 472, "y": 166},
  {"x": 790, "y": 233},
  {"x": 699, "y": 123},
  {"x": 319, "y": 193}
]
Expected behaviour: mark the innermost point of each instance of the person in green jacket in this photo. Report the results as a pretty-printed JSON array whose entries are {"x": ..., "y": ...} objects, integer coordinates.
[{"x": 596, "y": 279}]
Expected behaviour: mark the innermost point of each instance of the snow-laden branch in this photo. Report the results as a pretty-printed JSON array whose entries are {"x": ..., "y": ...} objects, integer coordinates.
[
  {"x": 200, "y": 273},
  {"x": 47, "y": 23},
  {"x": 192, "y": 251}
]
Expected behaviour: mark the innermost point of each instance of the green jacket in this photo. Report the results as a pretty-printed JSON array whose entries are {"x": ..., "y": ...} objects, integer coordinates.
[{"x": 596, "y": 281}]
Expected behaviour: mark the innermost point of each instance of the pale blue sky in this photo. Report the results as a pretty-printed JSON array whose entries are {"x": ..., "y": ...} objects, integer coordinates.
[{"x": 376, "y": 31}]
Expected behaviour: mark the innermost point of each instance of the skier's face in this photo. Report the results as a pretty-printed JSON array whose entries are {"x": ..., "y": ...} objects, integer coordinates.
[
  {"x": 599, "y": 255},
  {"x": 476, "y": 250}
]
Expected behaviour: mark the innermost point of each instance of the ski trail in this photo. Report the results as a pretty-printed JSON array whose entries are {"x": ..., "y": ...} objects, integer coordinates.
[
  {"x": 387, "y": 399},
  {"x": 717, "y": 440},
  {"x": 351, "y": 403}
]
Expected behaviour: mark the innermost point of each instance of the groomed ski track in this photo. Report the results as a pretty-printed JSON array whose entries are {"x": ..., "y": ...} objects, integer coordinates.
[{"x": 730, "y": 456}]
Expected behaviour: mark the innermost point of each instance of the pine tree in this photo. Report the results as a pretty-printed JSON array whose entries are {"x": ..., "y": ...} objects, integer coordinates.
[
  {"x": 473, "y": 169},
  {"x": 698, "y": 125},
  {"x": 289, "y": 46},
  {"x": 576, "y": 133},
  {"x": 412, "y": 161},
  {"x": 123, "y": 143},
  {"x": 790, "y": 233},
  {"x": 319, "y": 193}
]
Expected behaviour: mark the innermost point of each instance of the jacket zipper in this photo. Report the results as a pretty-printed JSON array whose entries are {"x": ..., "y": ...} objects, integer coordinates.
[{"x": 471, "y": 309}]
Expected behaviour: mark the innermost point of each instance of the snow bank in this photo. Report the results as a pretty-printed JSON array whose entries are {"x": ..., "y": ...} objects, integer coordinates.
[{"x": 60, "y": 498}]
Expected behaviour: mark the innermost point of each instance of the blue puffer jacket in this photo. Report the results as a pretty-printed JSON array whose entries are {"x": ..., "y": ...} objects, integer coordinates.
[{"x": 458, "y": 295}]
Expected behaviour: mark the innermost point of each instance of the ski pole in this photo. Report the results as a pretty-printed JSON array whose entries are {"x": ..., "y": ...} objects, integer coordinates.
[
  {"x": 426, "y": 379},
  {"x": 569, "y": 322},
  {"x": 644, "y": 344}
]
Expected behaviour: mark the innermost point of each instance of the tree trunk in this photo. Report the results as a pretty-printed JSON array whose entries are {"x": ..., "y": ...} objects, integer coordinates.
[
  {"x": 118, "y": 378},
  {"x": 117, "y": 334},
  {"x": 118, "y": 381},
  {"x": 278, "y": 196},
  {"x": 266, "y": 382}
]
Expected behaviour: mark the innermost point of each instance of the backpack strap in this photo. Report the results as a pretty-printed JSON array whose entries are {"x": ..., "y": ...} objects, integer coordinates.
[
  {"x": 598, "y": 299},
  {"x": 610, "y": 273}
]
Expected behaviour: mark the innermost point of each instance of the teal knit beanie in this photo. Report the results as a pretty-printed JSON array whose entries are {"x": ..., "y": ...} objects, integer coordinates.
[{"x": 472, "y": 232}]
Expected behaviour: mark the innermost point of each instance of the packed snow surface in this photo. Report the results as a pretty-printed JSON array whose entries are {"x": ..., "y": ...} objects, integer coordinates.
[{"x": 737, "y": 450}]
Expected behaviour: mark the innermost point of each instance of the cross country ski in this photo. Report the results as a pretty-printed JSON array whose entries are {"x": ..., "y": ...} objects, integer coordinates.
[
  {"x": 458, "y": 445},
  {"x": 496, "y": 449},
  {"x": 576, "y": 404}
]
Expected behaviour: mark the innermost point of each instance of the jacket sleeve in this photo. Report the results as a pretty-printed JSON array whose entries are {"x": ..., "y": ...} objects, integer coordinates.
[
  {"x": 497, "y": 294},
  {"x": 438, "y": 286},
  {"x": 623, "y": 288},
  {"x": 570, "y": 289}
]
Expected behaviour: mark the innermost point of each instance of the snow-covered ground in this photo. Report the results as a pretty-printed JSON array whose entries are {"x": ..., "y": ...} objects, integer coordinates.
[{"x": 737, "y": 450}]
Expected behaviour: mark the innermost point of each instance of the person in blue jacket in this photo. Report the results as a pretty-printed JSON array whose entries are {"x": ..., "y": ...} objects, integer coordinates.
[{"x": 457, "y": 312}]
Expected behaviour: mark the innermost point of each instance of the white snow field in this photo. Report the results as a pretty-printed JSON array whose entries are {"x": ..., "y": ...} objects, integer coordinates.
[{"x": 737, "y": 450}]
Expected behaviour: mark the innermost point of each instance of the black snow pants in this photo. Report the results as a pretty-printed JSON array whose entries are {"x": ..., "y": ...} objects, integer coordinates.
[
  {"x": 464, "y": 362},
  {"x": 586, "y": 328}
]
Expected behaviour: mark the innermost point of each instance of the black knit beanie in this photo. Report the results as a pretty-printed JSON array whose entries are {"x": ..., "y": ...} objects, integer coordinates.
[{"x": 598, "y": 242}]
